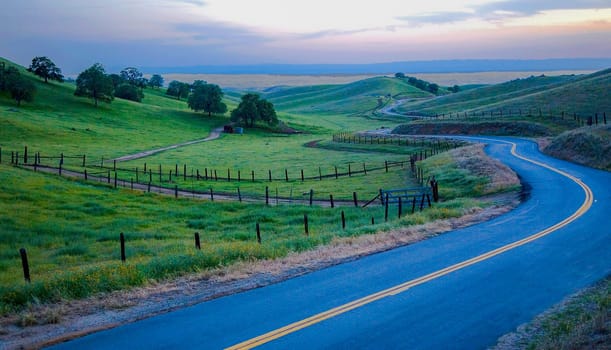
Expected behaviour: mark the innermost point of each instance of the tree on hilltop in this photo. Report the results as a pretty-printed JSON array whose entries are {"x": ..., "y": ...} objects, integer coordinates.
[
  {"x": 95, "y": 84},
  {"x": 178, "y": 89},
  {"x": 20, "y": 87},
  {"x": 252, "y": 108},
  {"x": 207, "y": 97},
  {"x": 156, "y": 81},
  {"x": 43, "y": 67},
  {"x": 133, "y": 77}
]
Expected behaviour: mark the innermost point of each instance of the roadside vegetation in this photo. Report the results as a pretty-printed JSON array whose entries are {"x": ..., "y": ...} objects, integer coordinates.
[
  {"x": 582, "y": 321},
  {"x": 589, "y": 146}
]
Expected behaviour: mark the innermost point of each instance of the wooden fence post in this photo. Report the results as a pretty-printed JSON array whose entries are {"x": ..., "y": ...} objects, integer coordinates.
[
  {"x": 336, "y": 173},
  {"x": 305, "y": 224},
  {"x": 25, "y": 155},
  {"x": 184, "y": 173},
  {"x": 239, "y": 176},
  {"x": 25, "y": 264},
  {"x": 175, "y": 191},
  {"x": 122, "y": 239},
  {"x": 302, "y": 178},
  {"x": 331, "y": 201},
  {"x": 148, "y": 188},
  {"x": 356, "y": 203},
  {"x": 400, "y": 207},
  {"x": 286, "y": 175},
  {"x": 258, "y": 233},
  {"x": 343, "y": 220},
  {"x": 84, "y": 158},
  {"x": 197, "y": 242},
  {"x": 266, "y": 195},
  {"x": 386, "y": 208},
  {"x": 85, "y": 174},
  {"x": 211, "y": 195},
  {"x": 239, "y": 195},
  {"x": 115, "y": 179},
  {"x": 311, "y": 196}
]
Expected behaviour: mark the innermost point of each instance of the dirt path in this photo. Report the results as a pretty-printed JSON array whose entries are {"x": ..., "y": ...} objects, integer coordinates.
[{"x": 214, "y": 134}]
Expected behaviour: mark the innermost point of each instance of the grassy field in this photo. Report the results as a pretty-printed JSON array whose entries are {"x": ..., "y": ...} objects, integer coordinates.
[
  {"x": 70, "y": 228},
  {"x": 582, "y": 94}
]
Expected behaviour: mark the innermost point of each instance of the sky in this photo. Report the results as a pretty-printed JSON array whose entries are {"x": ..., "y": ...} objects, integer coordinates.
[{"x": 166, "y": 33}]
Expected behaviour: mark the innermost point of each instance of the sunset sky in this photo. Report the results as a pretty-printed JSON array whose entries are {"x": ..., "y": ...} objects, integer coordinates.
[{"x": 76, "y": 34}]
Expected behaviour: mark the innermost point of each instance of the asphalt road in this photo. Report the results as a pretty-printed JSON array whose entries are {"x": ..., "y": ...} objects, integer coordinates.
[{"x": 466, "y": 307}]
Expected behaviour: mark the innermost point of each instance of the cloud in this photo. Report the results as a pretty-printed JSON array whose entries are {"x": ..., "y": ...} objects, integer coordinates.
[
  {"x": 436, "y": 18},
  {"x": 496, "y": 12},
  {"x": 193, "y": 2},
  {"x": 220, "y": 34}
]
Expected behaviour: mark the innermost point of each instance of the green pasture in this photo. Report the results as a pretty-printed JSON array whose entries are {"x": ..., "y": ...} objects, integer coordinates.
[
  {"x": 71, "y": 232},
  {"x": 70, "y": 228},
  {"x": 582, "y": 94}
]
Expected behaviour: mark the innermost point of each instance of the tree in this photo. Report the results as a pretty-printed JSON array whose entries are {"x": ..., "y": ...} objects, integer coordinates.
[
  {"x": 178, "y": 89},
  {"x": 45, "y": 68},
  {"x": 95, "y": 84},
  {"x": 156, "y": 81},
  {"x": 207, "y": 97},
  {"x": 267, "y": 113},
  {"x": 129, "y": 92},
  {"x": 433, "y": 88},
  {"x": 21, "y": 88},
  {"x": 133, "y": 77},
  {"x": 454, "y": 89},
  {"x": 399, "y": 75},
  {"x": 252, "y": 108},
  {"x": 116, "y": 80}
]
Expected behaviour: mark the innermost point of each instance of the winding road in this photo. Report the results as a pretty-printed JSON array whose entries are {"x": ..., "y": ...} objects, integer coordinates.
[{"x": 460, "y": 290}]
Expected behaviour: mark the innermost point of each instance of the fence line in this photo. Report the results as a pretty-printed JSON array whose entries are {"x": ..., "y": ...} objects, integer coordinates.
[{"x": 580, "y": 119}]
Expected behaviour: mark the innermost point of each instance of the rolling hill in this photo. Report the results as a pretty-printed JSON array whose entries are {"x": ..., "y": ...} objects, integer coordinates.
[
  {"x": 585, "y": 95},
  {"x": 360, "y": 96}
]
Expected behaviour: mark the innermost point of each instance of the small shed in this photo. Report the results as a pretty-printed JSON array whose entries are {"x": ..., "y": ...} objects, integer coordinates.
[
  {"x": 239, "y": 130},
  {"x": 228, "y": 129}
]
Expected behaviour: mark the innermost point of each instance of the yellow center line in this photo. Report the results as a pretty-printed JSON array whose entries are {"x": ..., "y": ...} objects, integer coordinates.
[{"x": 293, "y": 327}]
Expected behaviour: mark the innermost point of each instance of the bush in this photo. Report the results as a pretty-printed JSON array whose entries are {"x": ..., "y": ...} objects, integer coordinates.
[{"x": 129, "y": 92}]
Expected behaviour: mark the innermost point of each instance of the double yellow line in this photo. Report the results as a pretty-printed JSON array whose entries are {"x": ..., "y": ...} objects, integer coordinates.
[{"x": 293, "y": 327}]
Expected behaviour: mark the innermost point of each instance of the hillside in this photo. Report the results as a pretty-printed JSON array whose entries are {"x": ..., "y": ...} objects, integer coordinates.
[
  {"x": 358, "y": 96},
  {"x": 589, "y": 146},
  {"x": 585, "y": 95},
  {"x": 57, "y": 121}
]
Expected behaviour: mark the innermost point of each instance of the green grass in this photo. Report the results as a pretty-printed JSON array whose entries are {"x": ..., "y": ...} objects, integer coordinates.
[
  {"x": 341, "y": 99},
  {"x": 72, "y": 234},
  {"x": 588, "y": 145},
  {"x": 71, "y": 228},
  {"x": 585, "y": 95},
  {"x": 57, "y": 121}
]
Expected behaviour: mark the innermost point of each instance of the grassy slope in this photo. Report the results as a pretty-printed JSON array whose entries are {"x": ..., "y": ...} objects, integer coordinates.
[
  {"x": 341, "y": 99},
  {"x": 57, "y": 121},
  {"x": 590, "y": 146},
  {"x": 587, "y": 94}
]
